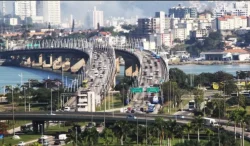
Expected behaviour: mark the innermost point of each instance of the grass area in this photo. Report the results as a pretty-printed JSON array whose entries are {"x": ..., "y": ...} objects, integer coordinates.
[
  {"x": 111, "y": 103},
  {"x": 25, "y": 138},
  {"x": 175, "y": 109},
  {"x": 61, "y": 128},
  {"x": 17, "y": 123}
]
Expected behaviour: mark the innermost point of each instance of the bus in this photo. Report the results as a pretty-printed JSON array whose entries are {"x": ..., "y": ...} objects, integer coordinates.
[
  {"x": 85, "y": 83},
  {"x": 191, "y": 105}
]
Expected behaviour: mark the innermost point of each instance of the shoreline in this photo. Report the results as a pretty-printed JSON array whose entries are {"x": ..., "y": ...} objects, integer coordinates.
[{"x": 209, "y": 63}]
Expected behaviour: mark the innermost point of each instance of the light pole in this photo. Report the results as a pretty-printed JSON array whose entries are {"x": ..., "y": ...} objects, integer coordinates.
[
  {"x": 41, "y": 126},
  {"x": 137, "y": 139},
  {"x": 66, "y": 81},
  {"x": 51, "y": 101},
  {"x": 146, "y": 130},
  {"x": 13, "y": 111},
  {"x": 76, "y": 135}
]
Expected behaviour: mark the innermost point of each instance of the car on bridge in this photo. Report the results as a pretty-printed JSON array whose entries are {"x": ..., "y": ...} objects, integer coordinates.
[{"x": 131, "y": 117}]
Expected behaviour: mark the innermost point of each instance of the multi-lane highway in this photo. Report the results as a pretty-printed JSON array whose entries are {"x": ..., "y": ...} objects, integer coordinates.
[{"x": 151, "y": 74}]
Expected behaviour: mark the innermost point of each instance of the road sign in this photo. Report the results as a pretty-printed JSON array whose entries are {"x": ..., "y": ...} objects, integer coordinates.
[
  {"x": 36, "y": 45},
  {"x": 136, "y": 90},
  {"x": 29, "y": 45},
  {"x": 153, "y": 89}
]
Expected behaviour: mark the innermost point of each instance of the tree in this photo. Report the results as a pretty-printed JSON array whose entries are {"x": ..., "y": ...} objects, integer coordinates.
[
  {"x": 178, "y": 76},
  {"x": 121, "y": 130},
  {"x": 108, "y": 136},
  {"x": 198, "y": 97},
  {"x": 71, "y": 137},
  {"x": 171, "y": 130},
  {"x": 188, "y": 128},
  {"x": 209, "y": 132},
  {"x": 230, "y": 87},
  {"x": 161, "y": 126},
  {"x": 197, "y": 123},
  {"x": 235, "y": 117},
  {"x": 90, "y": 136}
]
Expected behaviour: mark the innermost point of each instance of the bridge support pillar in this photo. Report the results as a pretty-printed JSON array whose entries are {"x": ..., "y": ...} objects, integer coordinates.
[
  {"x": 135, "y": 73},
  {"x": 117, "y": 63},
  {"x": 38, "y": 126},
  {"x": 57, "y": 63},
  {"x": 128, "y": 71},
  {"x": 40, "y": 59}
]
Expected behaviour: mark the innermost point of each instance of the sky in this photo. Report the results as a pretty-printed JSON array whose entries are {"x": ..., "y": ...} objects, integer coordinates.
[{"x": 120, "y": 8}]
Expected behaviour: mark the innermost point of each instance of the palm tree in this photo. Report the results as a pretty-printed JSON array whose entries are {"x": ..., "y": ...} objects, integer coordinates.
[
  {"x": 209, "y": 132},
  {"x": 235, "y": 117},
  {"x": 108, "y": 136},
  {"x": 187, "y": 129},
  {"x": 172, "y": 129},
  {"x": 152, "y": 134},
  {"x": 72, "y": 137},
  {"x": 198, "y": 124},
  {"x": 121, "y": 129},
  {"x": 161, "y": 125},
  {"x": 244, "y": 118},
  {"x": 90, "y": 136}
]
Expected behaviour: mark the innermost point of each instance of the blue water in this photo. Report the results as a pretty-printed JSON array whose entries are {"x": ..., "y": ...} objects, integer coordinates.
[
  {"x": 10, "y": 75},
  {"x": 197, "y": 69}
]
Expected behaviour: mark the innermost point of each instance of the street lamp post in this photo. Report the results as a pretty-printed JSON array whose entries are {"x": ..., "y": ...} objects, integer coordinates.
[
  {"x": 41, "y": 127},
  {"x": 51, "y": 102},
  {"x": 13, "y": 111},
  {"x": 76, "y": 135}
]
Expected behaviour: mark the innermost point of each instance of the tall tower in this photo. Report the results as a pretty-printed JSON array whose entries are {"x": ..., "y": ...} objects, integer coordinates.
[{"x": 3, "y": 8}]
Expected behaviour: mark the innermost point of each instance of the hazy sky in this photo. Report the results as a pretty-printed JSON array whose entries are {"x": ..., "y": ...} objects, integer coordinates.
[{"x": 118, "y": 8}]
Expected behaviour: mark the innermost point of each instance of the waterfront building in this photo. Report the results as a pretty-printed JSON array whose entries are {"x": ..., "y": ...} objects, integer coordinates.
[{"x": 226, "y": 55}]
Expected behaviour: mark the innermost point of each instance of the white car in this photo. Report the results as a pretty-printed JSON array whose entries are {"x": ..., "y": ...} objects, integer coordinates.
[{"x": 21, "y": 143}]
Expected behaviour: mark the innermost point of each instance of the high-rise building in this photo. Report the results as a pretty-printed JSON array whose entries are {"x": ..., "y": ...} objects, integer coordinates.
[
  {"x": 161, "y": 16},
  {"x": 97, "y": 18},
  {"x": 50, "y": 10},
  {"x": 183, "y": 12},
  {"x": 25, "y": 9}
]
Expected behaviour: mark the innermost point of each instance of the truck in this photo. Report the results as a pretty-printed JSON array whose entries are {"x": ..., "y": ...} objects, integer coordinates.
[{"x": 210, "y": 122}]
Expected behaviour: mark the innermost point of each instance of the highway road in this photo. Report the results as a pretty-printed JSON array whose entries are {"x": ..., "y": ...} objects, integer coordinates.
[
  {"x": 99, "y": 72},
  {"x": 147, "y": 67}
]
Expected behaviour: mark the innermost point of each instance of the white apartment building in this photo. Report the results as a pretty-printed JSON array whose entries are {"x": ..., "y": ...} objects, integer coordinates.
[
  {"x": 231, "y": 22},
  {"x": 86, "y": 101},
  {"x": 97, "y": 17},
  {"x": 180, "y": 33},
  {"x": 50, "y": 11},
  {"x": 161, "y": 16},
  {"x": 25, "y": 9}
]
